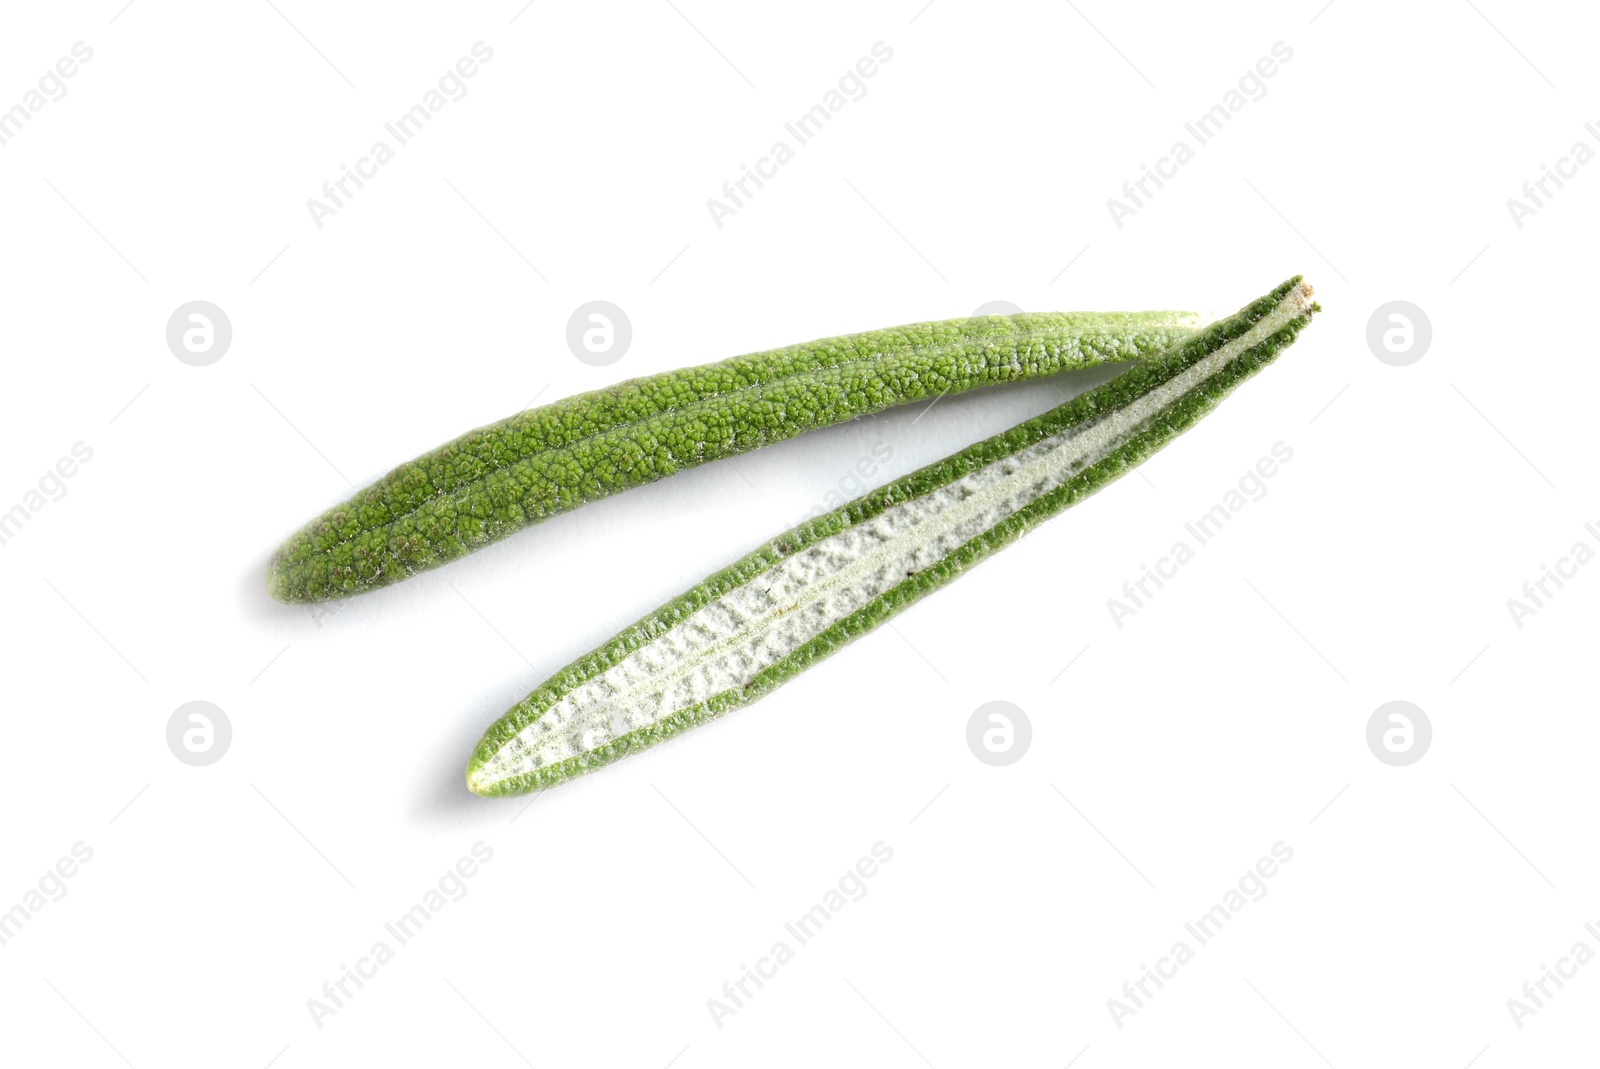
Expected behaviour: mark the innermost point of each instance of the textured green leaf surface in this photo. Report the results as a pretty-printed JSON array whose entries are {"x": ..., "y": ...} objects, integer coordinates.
[
  {"x": 800, "y": 597},
  {"x": 498, "y": 479}
]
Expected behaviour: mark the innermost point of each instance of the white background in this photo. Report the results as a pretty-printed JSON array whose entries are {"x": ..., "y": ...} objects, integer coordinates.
[{"x": 1226, "y": 716}]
